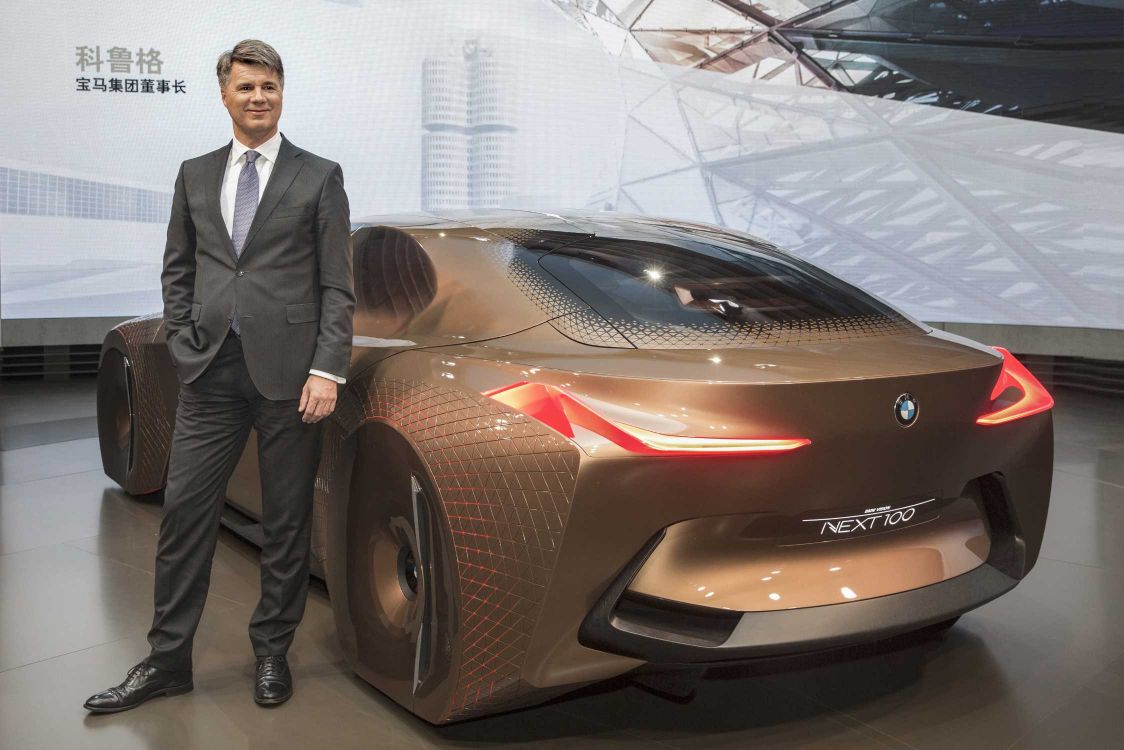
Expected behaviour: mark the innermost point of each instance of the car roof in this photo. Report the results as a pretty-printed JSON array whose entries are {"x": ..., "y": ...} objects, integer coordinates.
[{"x": 601, "y": 223}]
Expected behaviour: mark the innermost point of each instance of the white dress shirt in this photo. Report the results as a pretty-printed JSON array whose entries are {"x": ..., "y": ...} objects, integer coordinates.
[
  {"x": 267, "y": 157},
  {"x": 264, "y": 163}
]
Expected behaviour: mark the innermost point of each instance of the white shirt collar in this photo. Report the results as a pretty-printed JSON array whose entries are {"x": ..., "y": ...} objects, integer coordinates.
[{"x": 269, "y": 149}]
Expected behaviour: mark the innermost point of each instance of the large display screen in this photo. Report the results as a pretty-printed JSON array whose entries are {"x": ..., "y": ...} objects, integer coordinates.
[{"x": 435, "y": 105}]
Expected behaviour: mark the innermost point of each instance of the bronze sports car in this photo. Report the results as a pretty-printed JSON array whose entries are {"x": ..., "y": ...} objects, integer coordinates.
[{"x": 573, "y": 446}]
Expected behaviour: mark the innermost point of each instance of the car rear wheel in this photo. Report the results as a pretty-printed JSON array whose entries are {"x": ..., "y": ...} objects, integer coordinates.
[
  {"x": 395, "y": 557},
  {"x": 940, "y": 628}
]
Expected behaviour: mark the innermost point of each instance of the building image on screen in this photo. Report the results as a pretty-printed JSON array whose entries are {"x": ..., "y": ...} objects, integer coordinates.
[{"x": 796, "y": 122}]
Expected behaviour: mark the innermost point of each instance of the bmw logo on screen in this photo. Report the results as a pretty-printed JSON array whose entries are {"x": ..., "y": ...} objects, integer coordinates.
[{"x": 905, "y": 409}]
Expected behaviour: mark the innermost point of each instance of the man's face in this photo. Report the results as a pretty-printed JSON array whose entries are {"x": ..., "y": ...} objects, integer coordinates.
[{"x": 253, "y": 98}]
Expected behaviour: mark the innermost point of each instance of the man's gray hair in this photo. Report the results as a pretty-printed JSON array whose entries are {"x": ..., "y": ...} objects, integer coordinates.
[{"x": 249, "y": 52}]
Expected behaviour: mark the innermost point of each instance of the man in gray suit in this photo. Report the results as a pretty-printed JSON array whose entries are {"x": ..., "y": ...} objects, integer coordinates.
[{"x": 258, "y": 303}]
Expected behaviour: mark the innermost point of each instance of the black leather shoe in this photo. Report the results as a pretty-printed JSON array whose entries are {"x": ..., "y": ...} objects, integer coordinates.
[
  {"x": 274, "y": 683},
  {"x": 144, "y": 681}
]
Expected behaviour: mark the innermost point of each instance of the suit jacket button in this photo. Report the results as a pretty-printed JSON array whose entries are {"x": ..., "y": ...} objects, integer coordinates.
[{"x": 241, "y": 273}]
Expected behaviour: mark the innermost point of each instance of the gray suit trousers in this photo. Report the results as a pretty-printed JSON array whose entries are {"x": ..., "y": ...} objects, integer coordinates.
[{"x": 213, "y": 421}]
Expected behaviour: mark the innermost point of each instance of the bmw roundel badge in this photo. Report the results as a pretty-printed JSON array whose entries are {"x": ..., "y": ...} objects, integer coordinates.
[{"x": 905, "y": 409}]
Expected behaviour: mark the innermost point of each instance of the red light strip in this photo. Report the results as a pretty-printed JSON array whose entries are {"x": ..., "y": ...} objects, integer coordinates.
[
  {"x": 1035, "y": 399},
  {"x": 560, "y": 411}
]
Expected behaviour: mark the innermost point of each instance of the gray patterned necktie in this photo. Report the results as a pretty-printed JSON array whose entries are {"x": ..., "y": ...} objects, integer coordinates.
[{"x": 245, "y": 206}]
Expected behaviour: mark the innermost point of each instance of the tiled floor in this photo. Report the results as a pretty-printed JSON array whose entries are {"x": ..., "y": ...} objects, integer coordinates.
[{"x": 1041, "y": 667}]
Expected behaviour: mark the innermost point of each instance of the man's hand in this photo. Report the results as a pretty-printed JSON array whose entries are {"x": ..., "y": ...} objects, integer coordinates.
[{"x": 318, "y": 398}]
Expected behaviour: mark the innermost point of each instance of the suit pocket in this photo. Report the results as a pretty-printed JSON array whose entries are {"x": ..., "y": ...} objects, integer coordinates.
[
  {"x": 196, "y": 310},
  {"x": 305, "y": 312}
]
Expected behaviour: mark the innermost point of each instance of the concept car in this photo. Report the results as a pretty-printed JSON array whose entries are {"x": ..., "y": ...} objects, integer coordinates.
[{"x": 574, "y": 446}]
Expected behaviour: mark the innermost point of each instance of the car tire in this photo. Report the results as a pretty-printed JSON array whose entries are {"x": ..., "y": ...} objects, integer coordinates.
[
  {"x": 940, "y": 629},
  {"x": 398, "y": 596},
  {"x": 135, "y": 407}
]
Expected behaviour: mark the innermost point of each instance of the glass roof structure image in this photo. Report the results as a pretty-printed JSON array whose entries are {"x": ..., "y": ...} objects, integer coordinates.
[
  {"x": 937, "y": 210},
  {"x": 1058, "y": 61},
  {"x": 851, "y": 133}
]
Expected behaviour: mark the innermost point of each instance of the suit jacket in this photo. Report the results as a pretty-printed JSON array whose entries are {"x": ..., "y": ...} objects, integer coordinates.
[{"x": 292, "y": 283}]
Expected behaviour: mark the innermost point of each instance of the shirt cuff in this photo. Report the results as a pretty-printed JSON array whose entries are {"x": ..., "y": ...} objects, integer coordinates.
[{"x": 328, "y": 375}]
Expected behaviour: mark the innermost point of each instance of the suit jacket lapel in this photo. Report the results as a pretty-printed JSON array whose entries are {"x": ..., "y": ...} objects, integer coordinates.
[
  {"x": 284, "y": 172},
  {"x": 214, "y": 174}
]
